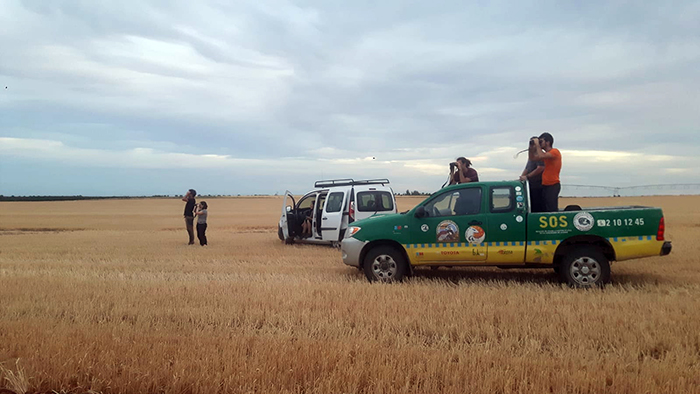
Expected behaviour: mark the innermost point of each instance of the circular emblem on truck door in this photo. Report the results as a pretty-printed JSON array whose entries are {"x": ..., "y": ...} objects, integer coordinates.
[
  {"x": 424, "y": 228},
  {"x": 583, "y": 221},
  {"x": 475, "y": 235},
  {"x": 447, "y": 231}
]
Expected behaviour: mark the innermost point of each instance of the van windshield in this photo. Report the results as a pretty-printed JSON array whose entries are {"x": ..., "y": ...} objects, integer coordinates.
[{"x": 374, "y": 201}]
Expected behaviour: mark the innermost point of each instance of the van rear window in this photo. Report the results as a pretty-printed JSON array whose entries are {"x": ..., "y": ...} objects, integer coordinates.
[{"x": 374, "y": 201}]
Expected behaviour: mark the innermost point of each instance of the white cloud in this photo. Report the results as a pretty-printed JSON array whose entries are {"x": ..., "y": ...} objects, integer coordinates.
[
  {"x": 613, "y": 156},
  {"x": 496, "y": 164},
  {"x": 322, "y": 88}
]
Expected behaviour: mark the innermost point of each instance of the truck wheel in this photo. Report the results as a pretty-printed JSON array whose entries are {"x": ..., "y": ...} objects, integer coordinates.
[
  {"x": 384, "y": 264},
  {"x": 585, "y": 266},
  {"x": 280, "y": 234}
]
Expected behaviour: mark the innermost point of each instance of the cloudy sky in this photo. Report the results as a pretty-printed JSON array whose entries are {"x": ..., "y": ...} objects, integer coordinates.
[{"x": 155, "y": 97}]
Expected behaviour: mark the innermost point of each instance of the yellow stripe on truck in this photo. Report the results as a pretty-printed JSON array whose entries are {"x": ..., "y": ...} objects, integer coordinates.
[
  {"x": 452, "y": 252},
  {"x": 634, "y": 247},
  {"x": 541, "y": 252}
]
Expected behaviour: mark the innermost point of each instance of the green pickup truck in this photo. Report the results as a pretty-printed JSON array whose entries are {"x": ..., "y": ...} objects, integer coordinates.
[{"x": 490, "y": 224}]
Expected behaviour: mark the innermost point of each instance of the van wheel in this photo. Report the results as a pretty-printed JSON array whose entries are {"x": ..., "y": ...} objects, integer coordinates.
[
  {"x": 585, "y": 267},
  {"x": 280, "y": 234},
  {"x": 385, "y": 264}
]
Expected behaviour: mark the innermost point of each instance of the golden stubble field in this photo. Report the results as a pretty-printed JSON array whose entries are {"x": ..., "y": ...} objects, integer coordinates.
[{"x": 105, "y": 296}]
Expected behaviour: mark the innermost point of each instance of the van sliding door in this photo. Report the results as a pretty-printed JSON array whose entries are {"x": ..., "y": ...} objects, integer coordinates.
[{"x": 332, "y": 216}]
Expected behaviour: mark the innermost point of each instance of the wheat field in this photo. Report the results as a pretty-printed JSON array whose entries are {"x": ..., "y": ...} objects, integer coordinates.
[{"x": 105, "y": 296}]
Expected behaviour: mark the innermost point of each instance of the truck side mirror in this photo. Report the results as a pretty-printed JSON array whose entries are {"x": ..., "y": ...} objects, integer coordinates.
[{"x": 420, "y": 212}]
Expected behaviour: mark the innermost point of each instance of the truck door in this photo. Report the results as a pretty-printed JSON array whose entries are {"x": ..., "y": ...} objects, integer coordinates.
[
  {"x": 507, "y": 224},
  {"x": 332, "y": 216},
  {"x": 453, "y": 229},
  {"x": 287, "y": 217}
]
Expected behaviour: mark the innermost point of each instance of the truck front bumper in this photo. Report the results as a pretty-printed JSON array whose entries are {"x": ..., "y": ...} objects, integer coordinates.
[
  {"x": 351, "y": 249},
  {"x": 666, "y": 249}
]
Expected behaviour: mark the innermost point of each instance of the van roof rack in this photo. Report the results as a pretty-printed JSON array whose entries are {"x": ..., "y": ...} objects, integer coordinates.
[{"x": 350, "y": 182}]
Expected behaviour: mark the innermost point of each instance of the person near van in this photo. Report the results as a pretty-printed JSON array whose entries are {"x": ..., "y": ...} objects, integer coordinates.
[
  {"x": 533, "y": 174},
  {"x": 306, "y": 225},
  {"x": 201, "y": 212},
  {"x": 551, "y": 157},
  {"x": 464, "y": 172},
  {"x": 189, "y": 213}
]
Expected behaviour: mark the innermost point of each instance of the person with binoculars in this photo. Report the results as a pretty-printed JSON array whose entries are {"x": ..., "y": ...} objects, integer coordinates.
[
  {"x": 533, "y": 174},
  {"x": 462, "y": 172},
  {"x": 189, "y": 198},
  {"x": 543, "y": 151}
]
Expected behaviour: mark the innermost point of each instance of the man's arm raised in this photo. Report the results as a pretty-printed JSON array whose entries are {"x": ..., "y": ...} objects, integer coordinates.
[
  {"x": 538, "y": 154},
  {"x": 461, "y": 169}
]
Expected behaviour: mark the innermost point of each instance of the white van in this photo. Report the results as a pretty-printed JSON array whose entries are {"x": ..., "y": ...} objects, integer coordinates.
[{"x": 340, "y": 202}]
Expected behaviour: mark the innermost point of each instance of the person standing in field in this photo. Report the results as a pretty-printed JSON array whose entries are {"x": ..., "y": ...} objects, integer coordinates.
[
  {"x": 189, "y": 213},
  {"x": 551, "y": 157},
  {"x": 201, "y": 213},
  {"x": 533, "y": 174}
]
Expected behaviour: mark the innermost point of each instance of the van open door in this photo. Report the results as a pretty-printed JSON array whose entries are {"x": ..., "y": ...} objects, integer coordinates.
[
  {"x": 332, "y": 215},
  {"x": 287, "y": 218}
]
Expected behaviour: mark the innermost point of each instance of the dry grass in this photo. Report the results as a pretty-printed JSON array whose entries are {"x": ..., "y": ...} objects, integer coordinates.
[{"x": 106, "y": 296}]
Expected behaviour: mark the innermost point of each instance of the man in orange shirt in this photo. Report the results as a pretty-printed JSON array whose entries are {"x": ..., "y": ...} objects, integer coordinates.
[{"x": 552, "y": 166}]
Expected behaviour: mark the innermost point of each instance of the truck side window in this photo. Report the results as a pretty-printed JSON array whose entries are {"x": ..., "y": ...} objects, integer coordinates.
[
  {"x": 502, "y": 199},
  {"x": 456, "y": 203},
  {"x": 468, "y": 202}
]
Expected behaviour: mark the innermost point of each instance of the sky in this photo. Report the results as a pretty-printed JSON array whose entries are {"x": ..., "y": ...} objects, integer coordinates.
[{"x": 258, "y": 97}]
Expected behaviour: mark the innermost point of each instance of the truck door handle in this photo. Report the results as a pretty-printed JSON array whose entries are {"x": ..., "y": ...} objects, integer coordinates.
[
  {"x": 325, "y": 218},
  {"x": 474, "y": 223}
]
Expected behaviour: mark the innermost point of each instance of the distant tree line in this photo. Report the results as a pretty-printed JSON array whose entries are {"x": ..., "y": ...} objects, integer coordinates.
[
  {"x": 71, "y": 198},
  {"x": 81, "y": 197},
  {"x": 414, "y": 193}
]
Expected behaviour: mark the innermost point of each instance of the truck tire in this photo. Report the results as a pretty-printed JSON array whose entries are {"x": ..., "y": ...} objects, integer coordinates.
[
  {"x": 585, "y": 267},
  {"x": 280, "y": 234},
  {"x": 385, "y": 264}
]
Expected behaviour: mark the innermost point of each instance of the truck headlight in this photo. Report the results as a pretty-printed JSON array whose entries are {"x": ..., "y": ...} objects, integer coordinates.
[{"x": 352, "y": 230}]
